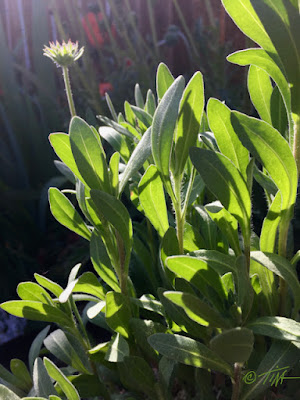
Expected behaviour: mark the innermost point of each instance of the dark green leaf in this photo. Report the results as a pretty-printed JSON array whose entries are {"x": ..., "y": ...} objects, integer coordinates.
[
  {"x": 189, "y": 352},
  {"x": 152, "y": 198},
  {"x": 190, "y": 114},
  {"x": 65, "y": 213},
  {"x": 36, "y": 346},
  {"x": 233, "y": 345}
]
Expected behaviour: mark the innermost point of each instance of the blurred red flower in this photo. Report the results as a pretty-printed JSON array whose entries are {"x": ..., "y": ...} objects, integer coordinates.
[
  {"x": 128, "y": 62},
  {"x": 105, "y": 87},
  {"x": 93, "y": 26}
]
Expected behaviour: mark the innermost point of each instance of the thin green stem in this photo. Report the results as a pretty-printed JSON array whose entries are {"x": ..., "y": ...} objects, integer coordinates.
[
  {"x": 189, "y": 191},
  {"x": 69, "y": 91},
  {"x": 178, "y": 214},
  {"x": 282, "y": 245},
  {"x": 296, "y": 145},
  {"x": 80, "y": 323}
]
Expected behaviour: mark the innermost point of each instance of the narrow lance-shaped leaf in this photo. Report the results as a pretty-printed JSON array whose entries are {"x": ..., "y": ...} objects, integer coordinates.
[
  {"x": 188, "y": 351},
  {"x": 65, "y": 213},
  {"x": 101, "y": 262},
  {"x": 150, "y": 105},
  {"x": 281, "y": 267},
  {"x": 276, "y": 327},
  {"x": 282, "y": 355},
  {"x": 164, "y": 122},
  {"x": 116, "y": 213},
  {"x": 190, "y": 114},
  {"x": 261, "y": 59},
  {"x": 138, "y": 96},
  {"x": 272, "y": 150},
  {"x": 143, "y": 117},
  {"x": 66, "y": 386},
  {"x": 140, "y": 154},
  {"x": 152, "y": 198},
  {"x": 88, "y": 155},
  {"x": 218, "y": 115},
  {"x": 41, "y": 380},
  {"x": 260, "y": 90},
  {"x": 282, "y": 24},
  {"x": 225, "y": 181},
  {"x": 118, "y": 313},
  {"x": 8, "y": 394},
  {"x": 269, "y": 228},
  {"x": 118, "y": 349},
  {"x": 197, "y": 310},
  {"x": 164, "y": 80}
]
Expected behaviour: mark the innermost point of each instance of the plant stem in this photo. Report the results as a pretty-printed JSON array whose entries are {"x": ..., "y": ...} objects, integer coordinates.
[
  {"x": 189, "y": 191},
  {"x": 296, "y": 145},
  {"x": 282, "y": 243},
  {"x": 69, "y": 91},
  {"x": 178, "y": 214},
  {"x": 236, "y": 384},
  {"x": 80, "y": 323}
]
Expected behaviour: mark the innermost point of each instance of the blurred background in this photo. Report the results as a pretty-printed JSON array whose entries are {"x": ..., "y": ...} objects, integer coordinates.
[{"x": 124, "y": 42}]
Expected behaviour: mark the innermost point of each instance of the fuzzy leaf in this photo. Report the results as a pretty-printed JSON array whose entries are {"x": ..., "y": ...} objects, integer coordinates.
[
  {"x": 276, "y": 327},
  {"x": 164, "y": 80}
]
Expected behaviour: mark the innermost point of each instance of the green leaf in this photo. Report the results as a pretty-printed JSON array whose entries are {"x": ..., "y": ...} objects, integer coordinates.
[
  {"x": 262, "y": 59},
  {"x": 7, "y": 394},
  {"x": 36, "y": 346},
  {"x": 188, "y": 351},
  {"x": 263, "y": 179},
  {"x": 192, "y": 239},
  {"x": 207, "y": 227},
  {"x": 114, "y": 163},
  {"x": 117, "y": 141},
  {"x": 260, "y": 90},
  {"x": 11, "y": 380},
  {"x": 281, "y": 22},
  {"x": 89, "y": 386},
  {"x": 111, "y": 107},
  {"x": 225, "y": 181},
  {"x": 226, "y": 223},
  {"x": 282, "y": 355},
  {"x": 179, "y": 316},
  {"x": 272, "y": 150},
  {"x": 140, "y": 154},
  {"x": 197, "y": 310},
  {"x": 41, "y": 380},
  {"x": 276, "y": 327},
  {"x": 66, "y": 386},
  {"x": 243, "y": 14},
  {"x": 144, "y": 119},
  {"x": 148, "y": 302},
  {"x": 19, "y": 369},
  {"x": 129, "y": 114},
  {"x": 33, "y": 291},
  {"x": 218, "y": 115},
  {"x": 221, "y": 263},
  {"x": 269, "y": 228},
  {"x": 164, "y": 80},
  {"x": 281, "y": 267},
  {"x": 118, "y": 313},
  {"x": 115, "y": 130},
  {"x": 62, "y": 147},
  {"x": 152, "y": 198},
  {"x": 269, "y": 294},
  {"x": 53, "y": 287},
  {"x": 101, "y": 262},
  {"x": 88, "y": 155},
  {"x": 88, "y": 283},
  {"x": 150, "y": 105},
  {"x": 116, "y": 213},
  {"x": 198, "y": 273},
  {"x": 190, "y": 114},
  {"x": 137, "y": 375},
  {"x": 117, "y": 350},
  {"x": 142, "y": 329},
  {"x": 70, "y": 353},
  {"x": 36, "y": 311},
  {"x": 278, "y": 112},
  {"x": 138, "y": 97},
  {"x": 163, "y": 127},
  {"x": 65, "y": 213},
  {"x": 169, "y": 246},
  {"x": 233, "y": 345}
]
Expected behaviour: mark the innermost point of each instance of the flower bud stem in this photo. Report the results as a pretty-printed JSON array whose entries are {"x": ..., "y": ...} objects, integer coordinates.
[{"x": 69, "y": 91}]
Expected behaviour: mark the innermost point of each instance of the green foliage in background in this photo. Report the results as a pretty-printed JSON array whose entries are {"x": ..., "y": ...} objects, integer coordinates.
[{"x": 192, "y": 299}]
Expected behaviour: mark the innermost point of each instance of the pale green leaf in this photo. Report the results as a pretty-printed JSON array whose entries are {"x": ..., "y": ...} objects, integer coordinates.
[
  {"x": 276, "y": 327},
  {"x": 164, "y": 80},
  {"x": 118, "y": 313},
  {"x": 117, "y": 350}
]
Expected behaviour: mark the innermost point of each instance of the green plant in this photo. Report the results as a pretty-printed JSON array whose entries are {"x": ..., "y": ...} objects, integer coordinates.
[{"x": 192, "y": 298}]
